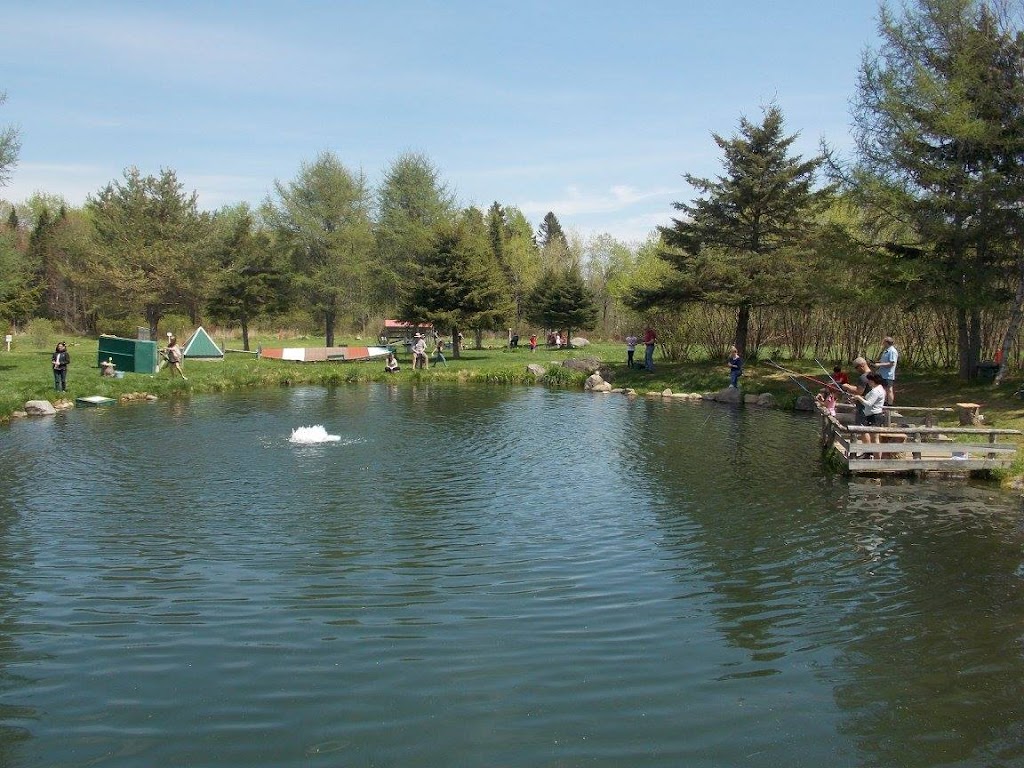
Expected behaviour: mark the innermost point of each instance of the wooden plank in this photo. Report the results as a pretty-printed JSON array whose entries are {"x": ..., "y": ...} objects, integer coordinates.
[
  {"x": 937, "y": 430},
  {"x": 933, "y": 450},
  {"x": 926, "y": 465}
]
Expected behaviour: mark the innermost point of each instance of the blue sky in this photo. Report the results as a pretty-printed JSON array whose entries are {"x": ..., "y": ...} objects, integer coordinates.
[{"x": 593, "y": 110}]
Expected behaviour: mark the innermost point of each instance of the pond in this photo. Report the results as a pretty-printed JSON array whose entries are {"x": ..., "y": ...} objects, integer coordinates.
[{"x": 474, "y": 576}]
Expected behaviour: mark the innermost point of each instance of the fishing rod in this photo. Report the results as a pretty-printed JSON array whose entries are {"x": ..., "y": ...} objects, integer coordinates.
[
  {"x": 839, "y": 387},
  {"x": 835, "y": 383},
  {"x": 791, "y": 374},
  {"x": 797, "y": 382}
]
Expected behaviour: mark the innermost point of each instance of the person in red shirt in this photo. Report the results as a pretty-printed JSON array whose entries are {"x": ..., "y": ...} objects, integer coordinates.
[
  {"x": 839, "y": 376},
  {"x": 650, "y": 339}
]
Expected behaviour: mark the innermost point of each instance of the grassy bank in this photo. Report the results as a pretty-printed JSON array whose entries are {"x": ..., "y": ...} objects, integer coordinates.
[{"x": 25, "y": 375}]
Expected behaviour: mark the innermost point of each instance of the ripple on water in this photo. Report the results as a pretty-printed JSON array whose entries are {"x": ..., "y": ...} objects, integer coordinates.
[{"x": 491, "y": 577}]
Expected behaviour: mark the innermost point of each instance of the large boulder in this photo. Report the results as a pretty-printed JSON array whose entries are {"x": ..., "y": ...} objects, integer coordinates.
[
  {"x": 585, "y": 364},
  {"x": 766, "y": 400},
  {"x": 537, "y": 370},
  {"x": 40, "y": 408},
  {"x": 805, "y": 403},
  {"x": 729, "y": 395},
  {"x": 595, "y": 383},
  {"x": 579, "y": 341}
]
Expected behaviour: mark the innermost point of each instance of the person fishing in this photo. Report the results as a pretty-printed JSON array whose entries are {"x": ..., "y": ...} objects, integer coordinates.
[{"x": 862, "y": 388}]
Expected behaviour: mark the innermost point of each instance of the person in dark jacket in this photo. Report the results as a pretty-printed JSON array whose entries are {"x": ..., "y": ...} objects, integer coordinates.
[{"x": 60, "y": 360}]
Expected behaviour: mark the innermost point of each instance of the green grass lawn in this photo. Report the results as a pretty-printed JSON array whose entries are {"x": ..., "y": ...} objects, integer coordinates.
[{"x": 25, "y": 374}]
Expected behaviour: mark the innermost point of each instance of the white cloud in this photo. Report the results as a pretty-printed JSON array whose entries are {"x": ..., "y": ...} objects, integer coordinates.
[
  {"x": 578, "y": 201},
  {"x": 72, "y": 181}
]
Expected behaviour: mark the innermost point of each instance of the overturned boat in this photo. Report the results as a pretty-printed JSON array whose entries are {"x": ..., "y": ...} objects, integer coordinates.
[{"x": 323, "y": 354}]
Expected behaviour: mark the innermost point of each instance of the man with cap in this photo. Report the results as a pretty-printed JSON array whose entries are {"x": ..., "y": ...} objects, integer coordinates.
[
  {"x": 886, "y": 367},
  {"x": 419, "y": 352}
]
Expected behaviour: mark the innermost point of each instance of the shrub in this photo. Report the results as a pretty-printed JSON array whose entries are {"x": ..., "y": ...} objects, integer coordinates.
[{"x": 41, "y": 332}]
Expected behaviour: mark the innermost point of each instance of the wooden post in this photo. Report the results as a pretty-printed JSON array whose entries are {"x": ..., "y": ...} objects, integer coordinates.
[{"x": 969, "y": 414}]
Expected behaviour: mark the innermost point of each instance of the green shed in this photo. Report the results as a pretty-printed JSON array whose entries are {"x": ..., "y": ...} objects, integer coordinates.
[{"x": 132, "y": 355}]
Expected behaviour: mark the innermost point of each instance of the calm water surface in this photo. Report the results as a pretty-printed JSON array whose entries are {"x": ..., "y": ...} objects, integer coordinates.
[{"x": 491, "y": 577}]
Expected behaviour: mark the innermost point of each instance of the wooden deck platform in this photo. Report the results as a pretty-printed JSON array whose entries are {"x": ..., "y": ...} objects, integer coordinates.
[{"x": 912, "y": 443}]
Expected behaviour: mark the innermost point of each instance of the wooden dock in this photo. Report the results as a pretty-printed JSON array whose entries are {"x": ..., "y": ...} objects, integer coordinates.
[{"x": 912, "y": 442}]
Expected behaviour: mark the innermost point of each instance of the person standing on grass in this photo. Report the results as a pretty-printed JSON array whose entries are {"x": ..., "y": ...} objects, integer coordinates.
[
  {"x": 439, "y": 352},
  {"x": 173, "y": 356},
  {"x": 735, "y": 367},
  {"x": 419, "y": 352},
  {"x": 650, "y": 339},
  {"x": 60, "y": 360},
  {"x": 631, "y": 342}
]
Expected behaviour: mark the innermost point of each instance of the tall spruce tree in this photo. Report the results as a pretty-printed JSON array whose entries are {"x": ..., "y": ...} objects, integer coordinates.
[
  {"x": 554, "y": 245},
  {"x": 746, "y": 241},
  {"x": 457, "y": 286},
  {"x": 939, "y": 126},
  {"x": 149, "y": 233},
  {"x": 249, "y": 281},
  {"x": 562, "y": 301}
]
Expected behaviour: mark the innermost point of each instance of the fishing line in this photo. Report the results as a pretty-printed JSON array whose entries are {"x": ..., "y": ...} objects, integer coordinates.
[{"x": 791, "y": 374}]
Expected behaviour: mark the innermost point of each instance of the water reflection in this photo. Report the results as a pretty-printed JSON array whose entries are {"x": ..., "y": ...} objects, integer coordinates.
[
  {"x": 905, "y": 598},
  {"x": 487, "y": 576}
]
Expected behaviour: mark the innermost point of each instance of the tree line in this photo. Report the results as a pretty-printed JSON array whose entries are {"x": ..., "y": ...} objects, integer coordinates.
[{"x": 917, "y": 234}]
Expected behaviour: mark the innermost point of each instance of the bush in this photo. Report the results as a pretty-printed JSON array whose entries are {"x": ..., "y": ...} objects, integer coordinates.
[{"x": 41, "y": 333}]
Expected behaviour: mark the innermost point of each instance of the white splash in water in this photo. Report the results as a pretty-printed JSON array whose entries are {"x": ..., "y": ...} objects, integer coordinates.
[{"x": 315, "y": 434}]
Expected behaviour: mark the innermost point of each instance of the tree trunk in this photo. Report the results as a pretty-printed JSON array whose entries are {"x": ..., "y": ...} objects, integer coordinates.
[
  {"x": 456, "y": 347},
  {"x": 479, "y": 335},
  {"x": 962, "y": 344},
  {"x": 742, "y": 329},
  {"x": 330, "y": 316},
  {"x": 1013, "y": 327},
  {"x": 153, "y": 315},
  {"x": 974, "y": 342},
  {"x": 245, "y": 332}
]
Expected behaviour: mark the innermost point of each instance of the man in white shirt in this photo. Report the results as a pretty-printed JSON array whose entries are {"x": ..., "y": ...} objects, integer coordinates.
[{"x": 886, "y": 367}]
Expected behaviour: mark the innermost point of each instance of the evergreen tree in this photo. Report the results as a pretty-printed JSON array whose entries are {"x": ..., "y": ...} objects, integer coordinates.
[
  {"x": 458, "y": 284},
  {"x": 249, "y": 281},
  {"x": 322, "y": 221},
  {"x": 554, "y": 245},
  {"x": 19, "y": 292},
  {"x": 515, "y": 249},
  {"x": 561, "y": 300},
  {"x": 746, "y": 241},
  {"x": 149, "y": 233},
  {"x": 550, "y": 232},
  {"x": 939, "y": 126},
  {"x": 411, "y": 203}
]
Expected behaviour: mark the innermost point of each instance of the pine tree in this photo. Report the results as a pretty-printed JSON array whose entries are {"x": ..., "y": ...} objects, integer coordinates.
[
  {"x": 562, "y": 300},
  {"x": 939, "y": 125},
  {"x": 248, "y": 282},
  {"x": 550, "y": 232},
  {"x": 149, "y": 233},
  {"x": 458, "y": 285},
  {"x": 746, "y": 241}
]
